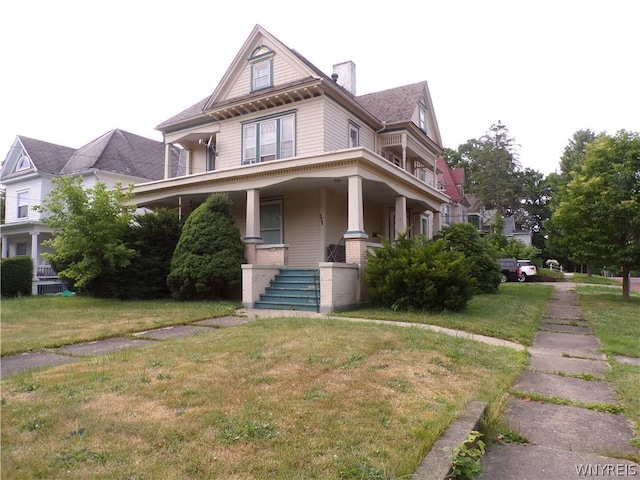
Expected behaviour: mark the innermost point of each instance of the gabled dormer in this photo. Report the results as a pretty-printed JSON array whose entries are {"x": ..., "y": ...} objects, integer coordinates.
[{"x": 262, "y": 63}]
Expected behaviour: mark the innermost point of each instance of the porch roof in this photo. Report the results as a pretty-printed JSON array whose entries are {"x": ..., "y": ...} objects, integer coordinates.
[{"x": 381, "y": 179}]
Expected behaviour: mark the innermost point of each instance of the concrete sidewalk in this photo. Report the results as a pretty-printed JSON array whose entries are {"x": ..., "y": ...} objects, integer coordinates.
[{"x": 564, "y": 441}]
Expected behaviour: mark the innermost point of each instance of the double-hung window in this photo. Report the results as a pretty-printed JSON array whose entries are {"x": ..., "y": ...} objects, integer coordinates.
[
  {"x": 261, "y": 62},
  {"x": 271, "y": 221},
  {"x": 268, "y": 139},
  {"x": 354, "y": 135},
  {"x": 23, "y": 204},
  {"x": 425, "y": 225},
  {"x": 261, "y": 75}
]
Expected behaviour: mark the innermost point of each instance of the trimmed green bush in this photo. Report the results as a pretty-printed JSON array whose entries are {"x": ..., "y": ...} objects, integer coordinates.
[
  {"x": 17, "y": 275},
  {"x": 154, "y": 237},
  {"x": 418, "y": 274},
  {"x": 481, "y": 255},
  {"x": 206, "y": 264}
]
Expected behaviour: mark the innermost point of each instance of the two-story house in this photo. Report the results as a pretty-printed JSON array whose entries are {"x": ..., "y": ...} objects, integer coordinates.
[
  {"x": 27, "y": 174},
  {"x": 452, "y": 182},
  {"x": 309, "y": 165}
]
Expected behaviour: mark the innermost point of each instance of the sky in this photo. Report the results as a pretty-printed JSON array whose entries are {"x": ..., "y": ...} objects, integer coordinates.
[{"x": 74, "y": 70}]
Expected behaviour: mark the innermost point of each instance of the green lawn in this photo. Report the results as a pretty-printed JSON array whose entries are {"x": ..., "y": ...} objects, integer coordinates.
[
  {"x": 276, "y": 398},
  {"x": 512, "y": 315},
  {"x": 617, "y": 326},
  {"x": 32, "y": 323}
]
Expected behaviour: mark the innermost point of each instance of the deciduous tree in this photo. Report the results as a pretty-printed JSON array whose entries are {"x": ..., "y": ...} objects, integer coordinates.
[
  {"x": 599, "y": 214},
  {"x": 90, "y": 226}
]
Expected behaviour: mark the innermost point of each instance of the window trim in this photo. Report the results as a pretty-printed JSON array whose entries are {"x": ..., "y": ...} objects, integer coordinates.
[
  {"x": 425, "y": 225},
  {"x": 353, "y": 129},
  {"x": 422, "y": 115},
  {"x": 261, "y": 55},
  {"x": 270, "y": 202},
  {"x": 268, "y": 76},
  {"x": 22, "y": 204},
  {"x": 22, "y": 247},
  {"x": 255, "y": 125},
  {"x": 23, "y": 163}
]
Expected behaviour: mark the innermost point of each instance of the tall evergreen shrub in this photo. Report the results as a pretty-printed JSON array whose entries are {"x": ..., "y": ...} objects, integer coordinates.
[
  {"x": 206, "y": 264},
  {"x": 16, "y": 276}
]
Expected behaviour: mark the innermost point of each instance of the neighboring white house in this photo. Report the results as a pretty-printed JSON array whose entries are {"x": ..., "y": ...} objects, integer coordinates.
[
  {"x": 27, "y": 174},
  {"x": 311, "y": 167}
]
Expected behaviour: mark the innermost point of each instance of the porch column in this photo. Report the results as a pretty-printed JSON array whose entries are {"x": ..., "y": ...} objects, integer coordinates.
[
  {"x": 355, "y": 225},
  {"x": 252, "y": 232},
  {"x": 404, "y": 151},
  {"x": 436, "y": 222},
  {"x": 34, "y": 254},
  {"x": 5, "y": 246},
  {"x": 167, "y": 160},
  {"x": 401, "y": 216},
  {"x": 355, "y": 239},
  {"x": 188, "y": 156}
]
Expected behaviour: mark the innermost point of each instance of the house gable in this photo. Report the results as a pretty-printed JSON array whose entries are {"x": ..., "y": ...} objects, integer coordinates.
[
  {"x": 404, "y": 104},
  {"x": 28, "y": 156},
  {"x": 262, "y": 62}
]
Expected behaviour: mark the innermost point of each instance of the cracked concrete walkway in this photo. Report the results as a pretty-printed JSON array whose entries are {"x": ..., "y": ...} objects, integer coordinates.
[{"x": 565, "y": 441}]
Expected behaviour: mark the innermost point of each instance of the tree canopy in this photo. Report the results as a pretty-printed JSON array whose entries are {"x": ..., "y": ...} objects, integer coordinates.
[
  {"x": 90, "y": 225},
  {"x": 598, "y": 217}
]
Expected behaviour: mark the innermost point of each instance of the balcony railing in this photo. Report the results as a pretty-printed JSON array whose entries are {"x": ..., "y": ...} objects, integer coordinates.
[{"x": 46, "y": 271}]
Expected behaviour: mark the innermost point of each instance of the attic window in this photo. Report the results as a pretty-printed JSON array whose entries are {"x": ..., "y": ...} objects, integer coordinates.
[
  {"x": 422, "y": 115},
  {"x": 23, "y": 163},
  {"x": 261, "y": 60}
]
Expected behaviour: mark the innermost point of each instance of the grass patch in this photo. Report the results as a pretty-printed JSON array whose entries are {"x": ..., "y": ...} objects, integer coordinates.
[
  {"x": 32, "y": 323},
  {"x": 513, "y": 314},
  {"x": 615, "y": 322},
  {"x": 617, "y": 326},
  {"x": 594, "y": 279},
  {"x": 277, "y": 398}
]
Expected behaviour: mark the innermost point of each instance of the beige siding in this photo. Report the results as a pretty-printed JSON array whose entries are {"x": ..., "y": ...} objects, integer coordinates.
[
  {"x": 336, "y": 216},
  {"x": 308, "y": 118},
  {"x": 302, "y": 228},
  {"x": 309, "y": 127},
  {"x": 336, "y": 121},
  {"x": 376, "y": 215},
  {"x": 283, "y": 73}
]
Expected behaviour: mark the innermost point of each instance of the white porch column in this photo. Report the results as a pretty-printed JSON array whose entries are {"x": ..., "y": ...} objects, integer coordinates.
[
  {"x": 252, "y": 236},
  {"x": 34, "y": 254},
  {"x": 252, "y": 233},
  {"x": 401, "y": 216},
  {"x": 355, "y": 225},
  {"x": 189, "y": 156},
  {"x": 5, "y": 246},
  {"x": 167, "y": 161},
  {"x": 404, "y": 151}
]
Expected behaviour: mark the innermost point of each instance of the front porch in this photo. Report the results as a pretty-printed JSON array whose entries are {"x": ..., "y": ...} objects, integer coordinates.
[{"x": 292, "y": 213}]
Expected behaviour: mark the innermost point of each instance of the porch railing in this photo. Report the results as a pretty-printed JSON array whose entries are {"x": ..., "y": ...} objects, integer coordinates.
[{"x": 46, "y": 271}]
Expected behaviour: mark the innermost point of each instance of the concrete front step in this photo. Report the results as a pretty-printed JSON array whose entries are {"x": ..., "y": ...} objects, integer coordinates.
[{"x": 292, "y": 289}]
